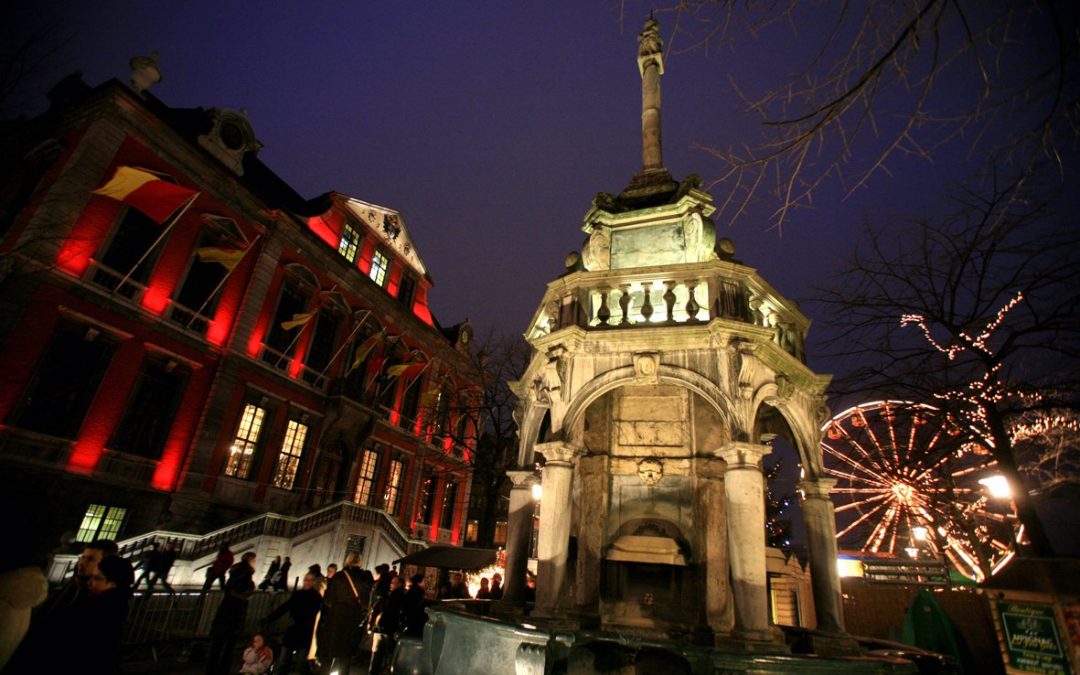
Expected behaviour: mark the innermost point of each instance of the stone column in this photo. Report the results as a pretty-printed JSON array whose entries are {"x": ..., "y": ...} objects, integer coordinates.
[
  {"x": 820, "y": 519},
  {"x": 744, "y": 489},
  {"x": 554, "y": 539},
  {"x": 518, "y": 535},
  {"x": 593, "y": 473},
  {"x": 711, "y": 518},
  {"x": 651, "y": 65}
]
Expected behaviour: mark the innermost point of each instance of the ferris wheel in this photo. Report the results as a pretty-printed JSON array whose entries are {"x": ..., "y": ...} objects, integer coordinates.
[{"x": 910, "y": 483}]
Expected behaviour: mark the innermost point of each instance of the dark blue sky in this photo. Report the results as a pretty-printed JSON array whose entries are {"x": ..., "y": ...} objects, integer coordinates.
[{"x": 489, "y": 125}]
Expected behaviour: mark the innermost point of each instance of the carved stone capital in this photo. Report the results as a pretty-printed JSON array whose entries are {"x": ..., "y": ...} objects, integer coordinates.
[
  {"x": 816, "y": 488},
  {"x": 743, "y": 455},
  {"x": 558, "y": 452},
  {"x": 522, "y": 480}
]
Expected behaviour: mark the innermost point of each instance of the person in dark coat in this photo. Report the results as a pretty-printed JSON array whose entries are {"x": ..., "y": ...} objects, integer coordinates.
[
  {"x": 217, "y": 569},
  {"x": 271, "y": 574},
  {"x": 161, "y": 567},
  {"x": 229, "y": 618},
  {"x": 149, "y": 560},
  {"x": 345, "y": 606},
  {"x": 282, "y": 583},
  {"x": 414, "y": 602},
  {"x": 94, "y": 641},
  {"x": 303, "y": 606},
  {"x": 385, "y": 624},
  {"x": 496, "y": 586}
]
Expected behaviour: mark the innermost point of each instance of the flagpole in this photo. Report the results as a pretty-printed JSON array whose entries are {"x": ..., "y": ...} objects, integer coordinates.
[
  {"x": 157, "y": 241},
  {"x": 345, "y": 344},
  {"x": 221, "y": 283}
]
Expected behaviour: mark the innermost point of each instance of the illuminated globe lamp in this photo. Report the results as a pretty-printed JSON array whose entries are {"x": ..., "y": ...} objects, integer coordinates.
[{"x": 997, "y": 486}]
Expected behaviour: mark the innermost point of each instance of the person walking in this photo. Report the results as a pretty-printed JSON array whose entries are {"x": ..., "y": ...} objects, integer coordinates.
[
  {"x": 161, "y": 567},
  {"x": 271, "y": 574},
  {"x": 218, "y": 568},
  {"x": 302, "y": 606},
  {"x": 385, "y": 624},
  {"x": 282, "y": 583},
  {"x": 415, "y": 601},
  {"x": 148, "y": 562},
  {"x": 229, "y": 618},
  {"x": 344, "y": 609}
]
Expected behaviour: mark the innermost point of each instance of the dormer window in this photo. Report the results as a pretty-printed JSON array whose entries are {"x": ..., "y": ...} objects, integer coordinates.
[
  {"x": 230, "y": 139},
  {"x": 350, "y": 242},
  {"x": 380, "y": 265}
]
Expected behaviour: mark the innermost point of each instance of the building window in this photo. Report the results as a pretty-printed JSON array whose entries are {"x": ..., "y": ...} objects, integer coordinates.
[
  {"x": 350, "y": 241},
  {"x": 365, "y": 483},
  {"x": 472, "y": 532},
  {"x": 197, "y": 297},
  {"x": 100, "y": 522},
  {"x": 242, "y": 450},
  {"x": 282, "y": 341},
  {"x": 427, "y": 499},
  {"x": 321, "y": 349},
  {"x": 131, "y": 240},
  {"x": 67, "y": 377},
  {"x": 499, "y": 538},
  {"x": 380, "y": 265},
  {"x": 446, "y": 518},
  {"x": 407, "y": 290},
  {"x": 393, "y": 486},
  {"x": 149, "y": 414},
  {"x": 289, "y": 458},
  {"x": 410, "y": 402}
]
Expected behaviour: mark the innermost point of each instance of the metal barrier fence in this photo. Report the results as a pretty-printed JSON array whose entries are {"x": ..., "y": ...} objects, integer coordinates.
[{"x": 159, "y": 621}]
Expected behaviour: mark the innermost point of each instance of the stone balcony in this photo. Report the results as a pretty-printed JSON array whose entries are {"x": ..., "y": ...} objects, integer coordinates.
[{"x": 669, "y": 295}]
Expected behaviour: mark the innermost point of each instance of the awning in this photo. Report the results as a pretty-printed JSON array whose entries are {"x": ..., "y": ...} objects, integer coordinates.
[{"x": 451, "y": 558}]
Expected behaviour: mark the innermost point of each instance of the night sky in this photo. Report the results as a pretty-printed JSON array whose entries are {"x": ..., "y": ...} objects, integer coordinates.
[{"x": 490, "y": 126}]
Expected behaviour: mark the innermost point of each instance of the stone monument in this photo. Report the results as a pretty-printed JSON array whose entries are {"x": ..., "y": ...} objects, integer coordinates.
[{"x": 661, "y": 369}]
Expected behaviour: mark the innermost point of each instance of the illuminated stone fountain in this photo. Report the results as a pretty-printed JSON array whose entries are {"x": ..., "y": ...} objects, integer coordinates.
[{"x": 661, "y": 369}]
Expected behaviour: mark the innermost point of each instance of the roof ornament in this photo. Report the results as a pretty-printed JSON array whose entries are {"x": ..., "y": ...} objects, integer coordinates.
[{"x": 145, "y": 72}]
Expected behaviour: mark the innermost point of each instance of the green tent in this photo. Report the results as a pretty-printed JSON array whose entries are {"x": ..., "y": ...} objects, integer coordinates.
[{"x": 926, "y": 625}]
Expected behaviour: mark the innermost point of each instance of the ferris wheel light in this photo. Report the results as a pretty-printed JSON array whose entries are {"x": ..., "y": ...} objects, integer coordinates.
[
  {"x": 912, "y": 552},
  {"x": 919, "y": 532},
  {"x": 997, "y": 485}
]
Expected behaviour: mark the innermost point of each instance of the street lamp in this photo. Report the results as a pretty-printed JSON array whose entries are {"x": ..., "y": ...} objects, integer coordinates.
[
  {"x": 997, "y": 485},
  {"x": 537, "y": 491}
]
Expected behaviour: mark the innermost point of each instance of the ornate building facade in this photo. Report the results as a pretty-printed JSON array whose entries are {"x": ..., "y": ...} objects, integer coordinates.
[{"x": 247, "y": 351}]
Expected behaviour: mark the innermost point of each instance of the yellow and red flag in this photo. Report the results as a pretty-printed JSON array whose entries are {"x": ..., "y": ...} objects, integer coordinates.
[
  {"x": 406, "y": 370},
  {"x": 365, "y": 348},
  {"x": 298, "y": 320},
  {"x": 228, "y": 257},
  {"x": 142, "y": 190}
]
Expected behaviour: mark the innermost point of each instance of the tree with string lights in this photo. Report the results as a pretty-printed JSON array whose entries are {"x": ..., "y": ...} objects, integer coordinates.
[
  {"x": 976, "y": 313},
  {"x": 777, "y": 521}
]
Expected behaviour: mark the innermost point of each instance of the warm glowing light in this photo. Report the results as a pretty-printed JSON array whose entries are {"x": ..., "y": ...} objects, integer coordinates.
[
  {"x": 537, "y": 491},
  {"x": 472, "y": 580},
  {"x": 998, "y": 486},
  {"x": 912, "y": 552},
  {"x": 919, "y": 532},
  {"x": 847, "y": 567}
]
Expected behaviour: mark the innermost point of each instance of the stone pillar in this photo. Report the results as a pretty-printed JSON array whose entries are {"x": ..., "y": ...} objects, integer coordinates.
[
  {"x": 651, "y": 65},
  {"x": 554, "y": 539},
  {"x": 518, "y": 535},
  {"x": 744, "y": 489},
  {"x": 711, "y": 518},
  {"x": 820, "y": 520},
  {"x": 593, "y": 472}
]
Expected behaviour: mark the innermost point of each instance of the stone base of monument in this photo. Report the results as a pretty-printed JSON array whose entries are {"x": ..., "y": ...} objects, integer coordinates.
[{"x": 455, "y": 642}]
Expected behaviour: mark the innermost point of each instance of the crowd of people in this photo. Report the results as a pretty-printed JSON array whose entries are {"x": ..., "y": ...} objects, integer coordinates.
[{"x": 328, "y": 613}]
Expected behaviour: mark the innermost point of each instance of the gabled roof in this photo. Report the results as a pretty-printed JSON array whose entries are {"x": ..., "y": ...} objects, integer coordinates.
[{"x": 389, "y": 226}]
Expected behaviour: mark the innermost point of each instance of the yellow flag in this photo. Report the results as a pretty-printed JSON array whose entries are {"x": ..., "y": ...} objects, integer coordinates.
[
  {"x": 228, "y": 257},
  {"x": 365, "y": 348},
  {"x": 297, "y": 320}
]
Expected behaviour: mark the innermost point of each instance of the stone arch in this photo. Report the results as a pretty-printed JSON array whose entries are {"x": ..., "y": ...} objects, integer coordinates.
[{"x": 803, "y": 434}]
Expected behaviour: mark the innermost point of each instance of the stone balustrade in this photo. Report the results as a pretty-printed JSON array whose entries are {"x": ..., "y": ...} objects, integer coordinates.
[{"x": 690, "y": 294}]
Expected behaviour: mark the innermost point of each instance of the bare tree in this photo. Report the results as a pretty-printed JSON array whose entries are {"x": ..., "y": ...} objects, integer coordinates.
[
  {"x": 484, "y": 419},
  {"x": 887, "y": 79},
  {"x": 978, "y": 313}
]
